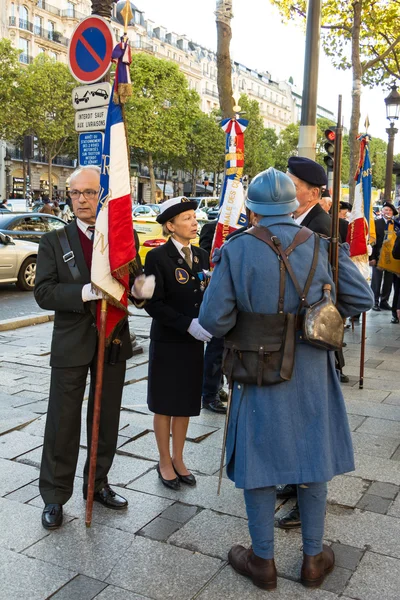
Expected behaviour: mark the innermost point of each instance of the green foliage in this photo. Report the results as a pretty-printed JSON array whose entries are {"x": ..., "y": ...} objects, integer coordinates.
[
  {"x": 11, "y": 96},
  {"x": 377, "y": 152},
  {"x": 259, "y": 151},
  {"x": 287, "y": 146}
]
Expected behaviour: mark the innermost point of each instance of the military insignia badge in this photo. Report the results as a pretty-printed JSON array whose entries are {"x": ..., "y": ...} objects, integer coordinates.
[
  {"x": 196, "y": 259},
  {"x": 184, "y": 199},
  {"x": 181, "y": 276}
]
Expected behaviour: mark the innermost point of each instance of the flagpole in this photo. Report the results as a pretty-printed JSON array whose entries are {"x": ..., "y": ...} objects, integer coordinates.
[
  {"x": 96, "y": 412},
  {"x": 362, "y": 357}
]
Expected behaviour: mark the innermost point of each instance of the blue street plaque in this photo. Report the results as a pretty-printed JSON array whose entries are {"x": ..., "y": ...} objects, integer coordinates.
[{"x": 90, "y": 148}]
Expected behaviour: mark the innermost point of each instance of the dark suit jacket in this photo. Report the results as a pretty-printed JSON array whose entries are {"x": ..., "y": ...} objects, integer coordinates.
[
  {"x": 207, "y": 235},
  {"x": 74, "y": 341},
  {"x": 380, "y": 226},
  {"x": 318, "y": 221},
  {"x": 178, "y": 294},
  {"x": 343, "y": 229}
]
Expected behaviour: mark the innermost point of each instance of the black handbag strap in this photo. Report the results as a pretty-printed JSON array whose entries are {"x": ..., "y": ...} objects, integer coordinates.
[
  {"x": 264, "y": 234},
  {"x": 68, "y": 256}
]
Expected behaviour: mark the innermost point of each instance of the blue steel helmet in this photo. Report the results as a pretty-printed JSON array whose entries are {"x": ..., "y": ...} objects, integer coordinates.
[{"x": 270, "y": 193}]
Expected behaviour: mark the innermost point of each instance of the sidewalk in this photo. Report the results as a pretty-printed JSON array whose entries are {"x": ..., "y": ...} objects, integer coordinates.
[{"x": 173, "y": 545}]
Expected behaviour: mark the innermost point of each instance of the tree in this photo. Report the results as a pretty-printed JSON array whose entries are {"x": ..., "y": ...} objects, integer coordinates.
[
  {"x": 224, "y": 75},
  {"x": 161, "y": 110},
  {"x": 362, "y": 36},
  {"x": 47, "y": 89},
  {"x": 258, "y": 153},
  {"x": 288, "y": 141},
  {"x": 12, "y": 120}
]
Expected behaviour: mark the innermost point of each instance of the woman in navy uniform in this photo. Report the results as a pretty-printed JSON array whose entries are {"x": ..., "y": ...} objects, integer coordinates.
[{"x": 177, "y": 339}]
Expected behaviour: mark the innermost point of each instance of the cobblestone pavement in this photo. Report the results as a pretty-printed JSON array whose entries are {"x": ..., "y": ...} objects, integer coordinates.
[{"x": 174, "y": 544}]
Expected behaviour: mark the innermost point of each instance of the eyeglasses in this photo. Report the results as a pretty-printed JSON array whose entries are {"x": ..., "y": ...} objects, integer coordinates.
[{"x": 88, "y": 194}]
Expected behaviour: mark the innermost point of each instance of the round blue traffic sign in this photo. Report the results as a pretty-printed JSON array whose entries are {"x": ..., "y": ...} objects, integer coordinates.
[{"x": 90, "y": 49}]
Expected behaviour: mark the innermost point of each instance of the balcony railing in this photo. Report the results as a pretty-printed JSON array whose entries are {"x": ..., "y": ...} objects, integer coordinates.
[
  {"x": 210, "y": 93},
  {"x": 48, "y": 7},
  {"x": 20, "y": 23},
  {"x": 52, "y": 36},
  {"x": 71, "y": 13},
  {"x": 62, "y": 161}
]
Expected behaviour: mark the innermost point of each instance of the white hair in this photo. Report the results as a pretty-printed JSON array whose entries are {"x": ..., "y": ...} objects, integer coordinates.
[{"x": 80, "y": 170}]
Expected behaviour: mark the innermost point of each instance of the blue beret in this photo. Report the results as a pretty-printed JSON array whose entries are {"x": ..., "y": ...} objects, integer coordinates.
[{"x": 307, "y": 170}]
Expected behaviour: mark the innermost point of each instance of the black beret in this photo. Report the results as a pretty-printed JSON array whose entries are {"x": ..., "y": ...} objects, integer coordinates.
[
  {"x": 343, "y": 205},
  {"x": 170, "y": 208},
  {"x": 307, "y": 170},
  {"x": 392, "y": 206}
]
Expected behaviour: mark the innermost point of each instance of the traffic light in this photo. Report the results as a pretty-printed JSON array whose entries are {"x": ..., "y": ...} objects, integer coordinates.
[{"x": 329, "y": 146}]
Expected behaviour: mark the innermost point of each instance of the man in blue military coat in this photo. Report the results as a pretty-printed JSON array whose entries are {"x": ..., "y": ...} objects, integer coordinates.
[{"x": 296, "y": 431}]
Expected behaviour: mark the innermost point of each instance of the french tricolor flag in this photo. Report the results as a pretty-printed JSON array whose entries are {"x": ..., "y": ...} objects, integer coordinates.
[{"x": 114, "y": 244}]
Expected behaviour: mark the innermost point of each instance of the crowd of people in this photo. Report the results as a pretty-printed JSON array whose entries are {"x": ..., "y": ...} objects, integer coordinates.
[{"x": 288, "y": 438}]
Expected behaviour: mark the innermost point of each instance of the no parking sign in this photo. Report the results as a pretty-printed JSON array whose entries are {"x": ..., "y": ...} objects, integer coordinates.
[{"x": 90, "y": 49}]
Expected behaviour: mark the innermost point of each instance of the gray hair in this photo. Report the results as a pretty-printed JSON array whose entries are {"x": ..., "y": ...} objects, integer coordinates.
[{"x": 80, "y": 170}]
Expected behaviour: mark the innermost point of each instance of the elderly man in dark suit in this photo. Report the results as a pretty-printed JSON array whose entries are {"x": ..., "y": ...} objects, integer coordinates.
[
  {"x": 63, "y": 285},
  {"x": 381, "y": 283}
]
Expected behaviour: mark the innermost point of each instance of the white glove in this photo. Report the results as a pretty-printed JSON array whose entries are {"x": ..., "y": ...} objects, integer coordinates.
[
  {"x": 143, "y": 288},
  {"x": 88, "y": 294},
  {"x": 197, "y": 331},
  {"x": 369, "y": 249}
]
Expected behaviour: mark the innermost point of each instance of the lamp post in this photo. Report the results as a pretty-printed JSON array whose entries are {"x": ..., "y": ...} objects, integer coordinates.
[
  {"x": 392, "y": 114},
  {"x": 7, "y": 168},
  {"x": 134, "y": 175}
]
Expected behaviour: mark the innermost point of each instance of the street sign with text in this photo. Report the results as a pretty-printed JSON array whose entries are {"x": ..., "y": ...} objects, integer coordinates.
[
  {"x": 90, "y": 120},
  {"x": 90, "y": 49},
  {"x": 90, "y": 96},
  {"x": 90, "y": 148}
]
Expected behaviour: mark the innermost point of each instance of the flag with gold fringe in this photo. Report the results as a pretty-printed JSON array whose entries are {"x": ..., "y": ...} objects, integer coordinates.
[{"x": 361, "y": 231}]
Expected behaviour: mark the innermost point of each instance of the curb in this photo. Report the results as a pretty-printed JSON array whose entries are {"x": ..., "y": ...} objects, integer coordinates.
[{"x": 10, "y": 324}]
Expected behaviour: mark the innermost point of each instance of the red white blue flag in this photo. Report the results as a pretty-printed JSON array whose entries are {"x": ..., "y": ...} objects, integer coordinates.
[
  {"x": 232, "y": 213},
  {"x": 114, "y": 244}
]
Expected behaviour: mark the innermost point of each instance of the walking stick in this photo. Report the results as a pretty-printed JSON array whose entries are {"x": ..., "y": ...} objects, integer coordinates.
[
  {"x": 362, "y": 358},
  {"x": 228, "y": 412},
  {"x": 96, "y": 413}
]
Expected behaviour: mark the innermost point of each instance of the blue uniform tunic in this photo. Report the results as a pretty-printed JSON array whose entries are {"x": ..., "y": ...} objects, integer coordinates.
[{"x": 296, "y": 431}]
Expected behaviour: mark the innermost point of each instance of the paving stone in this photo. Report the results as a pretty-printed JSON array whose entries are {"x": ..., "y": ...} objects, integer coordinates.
[
  {"x": 14, "y": 418},
  {"x": 124, "y": 470},
  {"x": 345, "y": 490},
  {"x": 347, "y": 557},
  {"x": 204, "y": 494},
  {"x": 24, "y": 578},
  {"x": 373, "y": 363},
  {"x": 377, "y": 396},
  {"x": 197, "y": 458},
  {"x": 137, "y": 373},
  {"x": 229, "y": 585},
  {"x": 160, "y": 529},
  {"x": 376, "y": 577},
  {"x": 376, "y": 469},
  {"x": 374, "y": 445},
  {"x": 381, "y": 385},
  {"x": 134, "y": 422},
  {"x": 394, "y": 509},
  {"x": 179, "y": 512},
  {"x": 374, "y": 504},
  {"x": 361, "y": 529},
  {"x": 115, "y": 593},
  {"x": 20, "y": 525},
  {"x": 396, "y": 455},
  {"x": 212, "y": 534},
  {"x": 15, "y": 443},
  {"x": 24, "y": 494},
  {"x": 37, "y": 426},
  {"x": 385, "y": 490},
  {"x": 162, "y": 571},
  {"x": 373, "y": 409},
  {"x": 91, "y": 551},
  {"x": 381, "y": 427},
  {"x": 355, "y": 421},
  {"x": 15, "y": 475},
  {"x": 393, "y": 399},
  {"x": 337, "y": 580},
  {"x": 134, "y": 397},
  {"x": 206, "y": 417},
  {"x": 80, "y": 588}
]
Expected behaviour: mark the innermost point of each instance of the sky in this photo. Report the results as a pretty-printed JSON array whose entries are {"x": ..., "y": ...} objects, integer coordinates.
[{"x": 261, "y": 41}]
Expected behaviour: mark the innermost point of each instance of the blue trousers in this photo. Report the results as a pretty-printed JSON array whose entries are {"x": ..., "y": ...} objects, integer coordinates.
[
  {"x": 260, "y": 507},
  {"x": 212, "y": 373}
]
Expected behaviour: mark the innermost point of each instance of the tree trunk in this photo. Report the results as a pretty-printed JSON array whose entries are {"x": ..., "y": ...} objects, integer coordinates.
[
  {"x": 102, "y": 8},
  {"x": 194, "y": 182},
  {"x": 224, "y": 75},
  {"x": 50, "y": 181},
  {"x": 355, "y": 95},
  {"x": 24, "y": 177},
  {"x": 165, "y": 182},
  {"x": 153, "y": 185}
]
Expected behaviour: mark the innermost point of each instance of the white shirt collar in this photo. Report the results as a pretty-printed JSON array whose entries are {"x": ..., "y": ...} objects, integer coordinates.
[
  {"x": 84, "y": 228},
  {"x": 179, "y": 247},
  {"x": 301, "y": 218}
]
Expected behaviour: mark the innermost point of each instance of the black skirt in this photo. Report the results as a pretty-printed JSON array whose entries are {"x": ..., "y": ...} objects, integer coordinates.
[{"x": 175, "y": 378}]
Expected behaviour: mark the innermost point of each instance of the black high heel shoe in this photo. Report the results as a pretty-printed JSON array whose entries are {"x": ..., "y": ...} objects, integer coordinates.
[
  {"x": 173, "y": 484},
  {"x": 188, "y": 479}
]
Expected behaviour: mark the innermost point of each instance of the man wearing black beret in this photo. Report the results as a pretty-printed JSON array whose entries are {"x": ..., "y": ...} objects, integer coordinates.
[
  {"x": 381, "y": 282},
  {"x": 310, "y": 180}
]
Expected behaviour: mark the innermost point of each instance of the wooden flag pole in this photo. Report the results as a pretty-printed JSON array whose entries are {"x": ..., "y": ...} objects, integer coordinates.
[{"x": 96, "y": 413}]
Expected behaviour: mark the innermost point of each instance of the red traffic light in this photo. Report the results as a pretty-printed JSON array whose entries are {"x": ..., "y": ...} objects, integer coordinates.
[{"x": 330, "y": 135}]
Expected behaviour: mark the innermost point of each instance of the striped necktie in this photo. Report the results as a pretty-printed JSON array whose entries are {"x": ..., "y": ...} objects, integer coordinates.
[{"x": 91, "y": 229}]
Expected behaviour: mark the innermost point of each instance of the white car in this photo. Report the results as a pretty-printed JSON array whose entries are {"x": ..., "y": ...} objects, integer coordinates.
[{"x": 18, "y": 262}]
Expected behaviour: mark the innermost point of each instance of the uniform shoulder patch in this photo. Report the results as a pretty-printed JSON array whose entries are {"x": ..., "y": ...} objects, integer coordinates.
[{"x": 181, "y": 276}]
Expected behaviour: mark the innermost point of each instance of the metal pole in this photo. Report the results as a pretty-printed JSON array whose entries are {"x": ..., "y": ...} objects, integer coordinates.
[
  {"x": 362, "y": 357},
  {"x": 308, "y": 122},
  {"x": 389, "y": 162}
]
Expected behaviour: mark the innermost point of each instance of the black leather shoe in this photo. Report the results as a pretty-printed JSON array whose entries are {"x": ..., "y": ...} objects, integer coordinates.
[
  {"x": 291, "y": 520},
  {"x": 376, "y": 308},
  {"x": 223, "y": 395},
  {"x": 394, "y": 320},
  {"x": 385, "y": 305},
  {"x": 173, "y": 484},
  {"x": 188, "y": 479},
  {"x": 108, "y": 498},
  {"x": 52, "y": 516},
  {"x": 215, "y": 406},
  {"x": 344, "y": 378},
  {"x": 286, "y": 491}
]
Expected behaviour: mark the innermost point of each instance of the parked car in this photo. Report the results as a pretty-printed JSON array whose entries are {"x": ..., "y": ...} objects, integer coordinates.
[
  {"x": 213, "y": 212},
  {"x": 28, "y": 226},
  {"x": 145, "y": 210},
  {"x": 18, "y": 262}
]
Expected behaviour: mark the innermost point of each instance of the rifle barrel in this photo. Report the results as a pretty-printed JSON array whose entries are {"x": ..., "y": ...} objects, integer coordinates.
[{"x": 337, "y": 168}]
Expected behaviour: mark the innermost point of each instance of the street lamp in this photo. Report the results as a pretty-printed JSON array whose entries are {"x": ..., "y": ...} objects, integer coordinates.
[
  {"x": 7, "y": 168},
  {"x": 392, "y": 114}
]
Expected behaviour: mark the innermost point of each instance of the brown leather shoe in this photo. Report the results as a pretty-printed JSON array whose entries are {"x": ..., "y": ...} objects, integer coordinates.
[
  {"x": 261, "y": 571},
  {"x": 316, "y": 568}
]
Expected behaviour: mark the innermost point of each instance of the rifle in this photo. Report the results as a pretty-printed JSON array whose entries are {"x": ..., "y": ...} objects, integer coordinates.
[{"x": 337, "y": 168}]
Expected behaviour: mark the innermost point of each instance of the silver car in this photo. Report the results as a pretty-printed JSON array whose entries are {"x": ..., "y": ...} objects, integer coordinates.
[{"x": 18, "y": 262}]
